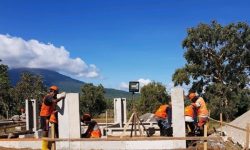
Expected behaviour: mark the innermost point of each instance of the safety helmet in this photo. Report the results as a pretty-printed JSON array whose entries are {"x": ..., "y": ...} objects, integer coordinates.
[
  {"x": 191, "y": 95},
  {"x": 54, "y": 88}
]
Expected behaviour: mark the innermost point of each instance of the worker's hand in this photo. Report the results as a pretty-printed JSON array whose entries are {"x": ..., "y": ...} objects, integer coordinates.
[
  {"x": 194, "y": 105},
  {"x": 63, "y": 95},
  {"x": 55, "y": 111}
]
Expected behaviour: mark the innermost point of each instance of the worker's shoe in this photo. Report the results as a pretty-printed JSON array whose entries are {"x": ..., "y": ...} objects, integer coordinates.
[
  {"x": 168, "y": 131},
  {"x": 198, "y": 131},
  {"x": 151, "y": 131}
]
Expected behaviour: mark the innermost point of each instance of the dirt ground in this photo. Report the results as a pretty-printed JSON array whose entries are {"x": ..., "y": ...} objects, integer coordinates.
[{"x": 228, "y": 145}]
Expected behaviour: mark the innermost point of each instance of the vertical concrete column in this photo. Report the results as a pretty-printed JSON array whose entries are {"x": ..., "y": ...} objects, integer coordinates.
[
  {"x": 69, "y": 120},
  {"x": 124, "y": 101},
  {"x": 178, "y": 122},
  {"x": 69, "y": 116},
  {"x": 29, "y": 114},
  {"x": 35, "y": 114},
  {"x": 120, "y": 112}
]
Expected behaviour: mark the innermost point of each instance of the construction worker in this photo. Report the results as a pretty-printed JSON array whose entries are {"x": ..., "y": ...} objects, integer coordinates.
[
  {"x": 201, "y": 110},
  {"x": 47, "y": 108},
  {"x": 190, "y": 119},
  {"x": 93, "y": 130},
  {"x": 163, "y": 116}
]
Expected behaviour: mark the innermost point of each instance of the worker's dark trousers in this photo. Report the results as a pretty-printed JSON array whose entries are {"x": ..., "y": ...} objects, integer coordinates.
[
  {"x": 191, "y": 126},
  {"x": 165, "y": 127}
]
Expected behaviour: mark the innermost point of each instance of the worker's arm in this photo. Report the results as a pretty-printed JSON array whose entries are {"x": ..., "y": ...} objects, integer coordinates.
[
  {"x": 58, "y": 99},
  {"x": 91, "y": 125},
  {"x": 196, "y": 104},
  {"x": 55, "y": 100},
  {"x": 48, "y": 99}
]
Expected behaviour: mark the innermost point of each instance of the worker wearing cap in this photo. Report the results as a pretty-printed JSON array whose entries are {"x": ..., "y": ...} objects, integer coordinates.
[
  {"x": 201, "y": 109},
  {"x": 93, "y": 130},
  {"x": 163, "y": 116},
  {"x": 48, "y": 108}
]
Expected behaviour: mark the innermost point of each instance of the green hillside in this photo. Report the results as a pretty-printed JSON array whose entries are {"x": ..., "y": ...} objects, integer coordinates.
[{"x": 65, "y": 83}]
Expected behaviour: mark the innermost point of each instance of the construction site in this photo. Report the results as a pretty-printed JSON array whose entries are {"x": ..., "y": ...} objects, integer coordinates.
[{"x": 25, "y": 133}]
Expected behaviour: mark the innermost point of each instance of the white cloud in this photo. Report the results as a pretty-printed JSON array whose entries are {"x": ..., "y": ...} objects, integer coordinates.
[
  {"x": 185, "y": 87},
  {"x": 17, "y": 52},
  {"x": 125, "y": 85},
  {"x": 144, "y": 82}
]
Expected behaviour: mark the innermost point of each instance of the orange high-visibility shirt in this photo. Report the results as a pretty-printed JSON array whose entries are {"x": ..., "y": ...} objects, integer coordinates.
[
  {"x": 162, "y": 111},
  {"x": 202, "y": 109},
  {"x": 189, "y": 111},
  {"x": 46, "y": 110},
  {"x": 96, "y": 133}
]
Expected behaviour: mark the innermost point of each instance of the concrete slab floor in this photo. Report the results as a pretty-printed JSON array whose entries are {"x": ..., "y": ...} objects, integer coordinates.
[{"x": 91, "y": 144}]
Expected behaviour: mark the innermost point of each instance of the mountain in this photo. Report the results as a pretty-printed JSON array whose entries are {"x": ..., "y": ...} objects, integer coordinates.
[{"x": 65, "y": 83}]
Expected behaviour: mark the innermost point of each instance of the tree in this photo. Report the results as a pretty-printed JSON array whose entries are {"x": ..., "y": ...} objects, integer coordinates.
[
  {"x": 92, "y": 99},
  {"x": 218, "y": 57},
  {"x": 4, "y": 89},
  {"x": 29, "y": 87},
  {"x": 152, "y": 95}
]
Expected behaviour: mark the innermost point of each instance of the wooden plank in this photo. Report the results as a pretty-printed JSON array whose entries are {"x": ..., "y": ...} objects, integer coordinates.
[
  {"x": 126, "y": 126},
  {"x": 227, "y": 124},
  {"x": 205, "y": 135},
  {"x": 53, "y": 144},
  {"x": 247, "y": 136},
  {"x": 136, "y": 139}
]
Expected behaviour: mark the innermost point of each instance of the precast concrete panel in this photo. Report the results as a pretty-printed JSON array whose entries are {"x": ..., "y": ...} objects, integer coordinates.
[
  {"x": 178, "y": 122},
  {"x": 69, "y": 116}
]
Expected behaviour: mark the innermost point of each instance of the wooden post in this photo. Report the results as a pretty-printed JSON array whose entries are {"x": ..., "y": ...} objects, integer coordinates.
[
  {"x": 53, "y": 144},
  {"x": 208, "y": 121},
  {"x": 221, "y": 121},
  {"x": 126, "y": 125},
  {"x": 247, "y": 136},
  {"x": 205, "y": 135},
  {"x": 106, "y": 130}
]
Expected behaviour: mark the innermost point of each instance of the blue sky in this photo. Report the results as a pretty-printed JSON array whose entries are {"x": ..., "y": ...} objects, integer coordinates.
[{"x": 107, "y": 42}]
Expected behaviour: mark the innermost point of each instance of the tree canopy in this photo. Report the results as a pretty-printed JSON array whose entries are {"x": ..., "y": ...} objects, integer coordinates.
[
  {"x": 218, "y": 64},
  {"x": 92, "y": 99},
  {"x": 29, "y": 86},
  {"x": 152, "y": 95},
  {"x": 4, "y": 89}
]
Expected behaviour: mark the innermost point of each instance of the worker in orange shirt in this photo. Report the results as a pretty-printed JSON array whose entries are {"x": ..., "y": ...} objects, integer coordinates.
[
  {"x": 47, "y": 108},
  {"x": 93, "y": 130},
  {"x": 201, "y": 110},
  {"x": 163, "y": 116},
  {"x": 190, "y": 119}
]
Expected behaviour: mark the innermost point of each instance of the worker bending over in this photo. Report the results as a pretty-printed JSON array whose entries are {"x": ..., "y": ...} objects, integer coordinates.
[
  {"x": 47, "y": 108},
  {"x": 93, "y": 130},
  {"x": 163, "y": 116},
  {"x": 190, "y": 119},
  {"x": 201, "y": 110}
]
